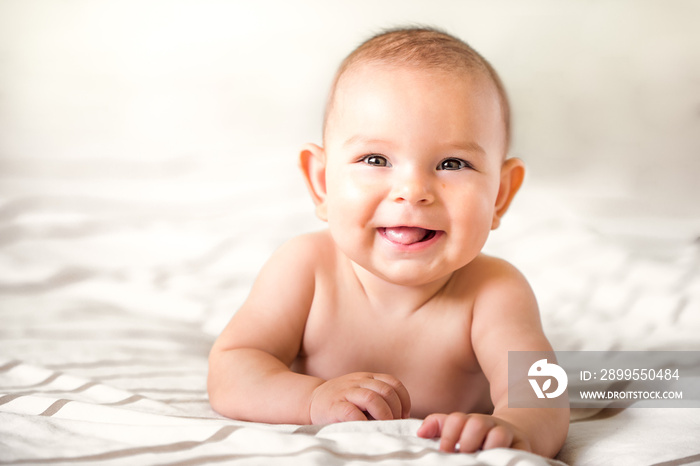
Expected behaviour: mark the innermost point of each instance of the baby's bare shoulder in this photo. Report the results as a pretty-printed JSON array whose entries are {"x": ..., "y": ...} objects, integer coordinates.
[
  {"x": 300, "y": 257},
  {"x": 505, "y": 312},
  {"x": 310, "y": 257},
  {"x": 503, "y": 296},
  {"x": 500, "y": 291},
  {"x": 487, "y": 274},
  {"x": 307, "y": 248}
]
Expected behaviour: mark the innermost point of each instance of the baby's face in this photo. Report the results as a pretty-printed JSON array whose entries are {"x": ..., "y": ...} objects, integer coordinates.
[{"x": 413, "y": 169}]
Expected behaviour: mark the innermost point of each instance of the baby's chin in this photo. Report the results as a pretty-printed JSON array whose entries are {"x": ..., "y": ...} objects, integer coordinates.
[{"x": 412, "y": 274}]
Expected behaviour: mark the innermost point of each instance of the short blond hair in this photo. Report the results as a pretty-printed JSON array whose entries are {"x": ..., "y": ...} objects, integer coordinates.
[{"x": 427, "y": 48}]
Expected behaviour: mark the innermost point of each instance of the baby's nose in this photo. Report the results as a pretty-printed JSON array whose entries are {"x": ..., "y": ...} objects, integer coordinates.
[{"x": 413, "y": 188}]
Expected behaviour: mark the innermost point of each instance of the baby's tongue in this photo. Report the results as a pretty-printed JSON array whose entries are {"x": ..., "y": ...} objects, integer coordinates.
[{"x": 405, "y": 235}]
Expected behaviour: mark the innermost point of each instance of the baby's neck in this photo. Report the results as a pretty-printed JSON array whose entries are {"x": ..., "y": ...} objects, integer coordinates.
[{"x": 395, "y": 298}]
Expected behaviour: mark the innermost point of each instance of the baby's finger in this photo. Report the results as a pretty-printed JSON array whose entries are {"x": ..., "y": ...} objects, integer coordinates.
[
  {"x": 498, "y": 437},
  {"x": 431, "y": 426},
  {"x": 452, "y": 428},
  {"x": 388, "y": 393},
  {"x": 345, "y": 411},
  {"x": 474, "y": 433},
  {"x": 520, "y": 443},
  {"x": 401, "y": 392},
  {"x": 370, "y": 401}
]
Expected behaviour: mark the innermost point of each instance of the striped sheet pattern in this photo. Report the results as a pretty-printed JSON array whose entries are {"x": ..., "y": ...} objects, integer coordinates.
[
  {"x": 53, "y": 417},
  {"x": 111, "y": 292}
]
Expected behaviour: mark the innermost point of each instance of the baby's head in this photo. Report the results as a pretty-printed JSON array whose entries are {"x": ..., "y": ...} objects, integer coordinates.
[
  {"x": 412, "y": 175},
  {"x": 425, "y": 49}
]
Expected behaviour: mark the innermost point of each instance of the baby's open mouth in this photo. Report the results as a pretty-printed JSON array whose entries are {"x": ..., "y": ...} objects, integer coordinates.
[{"x": 407, "y": 235}]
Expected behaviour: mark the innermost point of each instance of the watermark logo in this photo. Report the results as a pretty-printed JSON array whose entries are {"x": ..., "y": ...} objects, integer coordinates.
[
  {"x": 602, "y": 379},
  {"x": 542, "y": 368}
]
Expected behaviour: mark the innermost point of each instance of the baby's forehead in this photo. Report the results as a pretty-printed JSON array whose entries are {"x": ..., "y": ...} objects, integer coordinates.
[
  {"x": 359, "y": 75},
  {"x": 363, "y": 75},
  {"x": 368, "y": 82},
  {"x": 363, "y": 71}
]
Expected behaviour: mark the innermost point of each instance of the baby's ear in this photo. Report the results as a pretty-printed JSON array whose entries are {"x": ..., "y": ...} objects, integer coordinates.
[
  {"x": 512, "y": 175},
  {"x": 312, "y": 161}
]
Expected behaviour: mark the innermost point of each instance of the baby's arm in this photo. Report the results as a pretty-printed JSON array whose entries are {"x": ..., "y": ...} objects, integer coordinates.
[
  {"x": 506, "y": 318},
  {"x": 249, "y": 375}
]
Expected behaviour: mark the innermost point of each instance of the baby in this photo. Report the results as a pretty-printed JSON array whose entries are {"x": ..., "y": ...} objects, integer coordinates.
[{"x": 393, "y": 311}]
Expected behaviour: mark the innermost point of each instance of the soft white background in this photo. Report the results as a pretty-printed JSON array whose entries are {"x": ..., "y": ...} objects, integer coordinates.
[
  {"x": 148, "y": 148},
  {"x": 606, "y": 94}
]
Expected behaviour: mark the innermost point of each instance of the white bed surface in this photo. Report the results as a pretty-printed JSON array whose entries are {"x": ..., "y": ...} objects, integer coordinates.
[{"x": 109, "y": 308}]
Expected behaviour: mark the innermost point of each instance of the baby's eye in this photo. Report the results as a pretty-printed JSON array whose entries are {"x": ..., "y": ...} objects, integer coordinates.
[
  {"x": 376, "y": 160},
  {"x": 454, "y": 164}
]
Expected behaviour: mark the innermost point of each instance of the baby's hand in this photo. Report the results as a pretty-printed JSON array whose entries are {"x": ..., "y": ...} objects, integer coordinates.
[
  {"x": 354, "y": 397},
  {"x": 472, "y": 432}
]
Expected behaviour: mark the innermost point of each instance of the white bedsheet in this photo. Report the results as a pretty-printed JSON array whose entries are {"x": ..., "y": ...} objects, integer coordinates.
[{"x": 109, "y": 305}]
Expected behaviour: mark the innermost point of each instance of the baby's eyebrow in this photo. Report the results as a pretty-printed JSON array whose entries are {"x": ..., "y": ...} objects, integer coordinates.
[
  {"x": 467, "y": 146},
  {"x": 460, "y": 146},
  {"x": 364, "y": 140}
]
